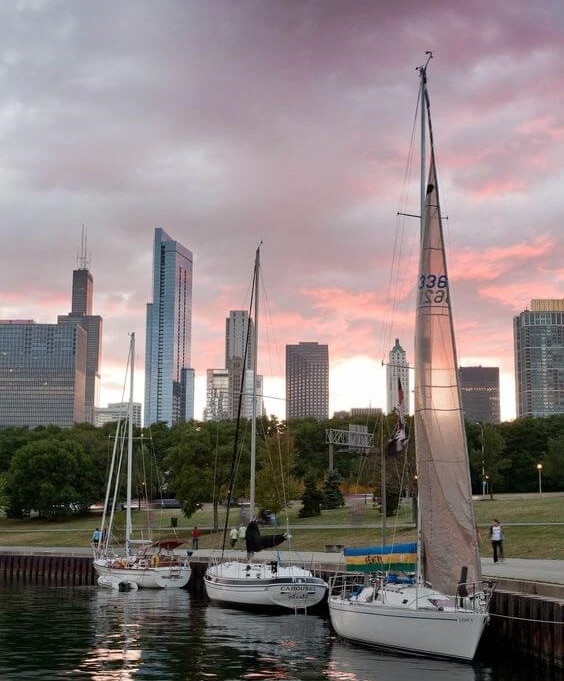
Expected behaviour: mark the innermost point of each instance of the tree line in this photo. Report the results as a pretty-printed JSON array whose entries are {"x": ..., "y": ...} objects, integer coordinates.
[{"x": 57, "y": 473}]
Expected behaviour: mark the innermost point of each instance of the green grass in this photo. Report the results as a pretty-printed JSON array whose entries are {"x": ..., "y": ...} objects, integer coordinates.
[{"x": 528, "y": 520}]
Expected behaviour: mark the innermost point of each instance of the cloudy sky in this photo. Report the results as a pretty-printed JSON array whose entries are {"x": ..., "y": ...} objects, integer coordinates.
[{"x": 287, "y": 121}]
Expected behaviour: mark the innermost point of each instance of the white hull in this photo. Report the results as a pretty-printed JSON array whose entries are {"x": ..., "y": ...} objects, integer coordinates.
[
  {"x": 110, "y": 572},
  {"x": 262, "y": 585},
  {"x": 393, "y": 621}
]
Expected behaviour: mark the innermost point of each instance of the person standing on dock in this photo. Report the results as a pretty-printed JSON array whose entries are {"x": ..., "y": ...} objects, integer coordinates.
[
  {"x": 233, "y": 536},
  {"x": 196, "y": 534},
  {"x": 496, "y": 537}
]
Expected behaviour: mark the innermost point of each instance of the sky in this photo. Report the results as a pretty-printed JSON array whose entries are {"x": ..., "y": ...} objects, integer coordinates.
[{"x": 288, "y": 122}]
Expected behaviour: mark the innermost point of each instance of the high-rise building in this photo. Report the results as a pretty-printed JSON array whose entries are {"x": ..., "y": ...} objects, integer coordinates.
[
  {"x": 217, "y": 395},
  {"x": 42, "y": 373},
  {"x": 479, "y": 389},
  {"x": 116, "y": 411},
  {"x": 397, "y": 369},
  {"x": 538, "y": 336},
  {"x": 227, "y": 387},
  {"x": 307, "y": 381},
  {"x": 81, "y": 313},
  {"x": 169, "y": 389}
]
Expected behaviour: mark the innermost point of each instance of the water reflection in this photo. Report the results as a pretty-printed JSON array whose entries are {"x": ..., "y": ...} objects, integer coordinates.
[
  {"x": 350, "y": 663},
  {"x": 92, "y": 634}
]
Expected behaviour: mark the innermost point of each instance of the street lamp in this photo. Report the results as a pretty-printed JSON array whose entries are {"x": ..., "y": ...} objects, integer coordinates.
[
  {"x": 539, "y": 468},
  {"x": 483, "y": 462}
]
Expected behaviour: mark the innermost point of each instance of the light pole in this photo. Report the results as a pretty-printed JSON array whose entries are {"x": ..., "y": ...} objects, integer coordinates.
[
  {"x": 539, "y": 468},
  {"x": 483, "y": 462}
]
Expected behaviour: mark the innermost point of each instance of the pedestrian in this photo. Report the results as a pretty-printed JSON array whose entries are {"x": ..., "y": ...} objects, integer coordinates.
[
  {"x": 233, "y": 536},
  {"x": 496, "y": 537},
  {"x": 242, "y": 533},
  {"x": 196, "y": 534},
  {"x": 95, "y": 538}
]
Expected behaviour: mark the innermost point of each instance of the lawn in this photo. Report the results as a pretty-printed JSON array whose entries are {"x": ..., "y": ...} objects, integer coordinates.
[{"x": 534, "y": 526}]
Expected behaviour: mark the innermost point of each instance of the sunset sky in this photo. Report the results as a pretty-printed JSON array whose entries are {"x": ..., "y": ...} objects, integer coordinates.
[{"x": 287, "y": 121}]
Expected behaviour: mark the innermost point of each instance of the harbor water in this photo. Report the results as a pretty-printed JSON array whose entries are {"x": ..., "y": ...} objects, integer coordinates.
[{"x": 52, "y": 633}]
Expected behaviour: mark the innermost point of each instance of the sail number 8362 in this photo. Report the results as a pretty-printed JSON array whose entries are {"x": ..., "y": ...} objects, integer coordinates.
[{"x": 433, "y": 289}]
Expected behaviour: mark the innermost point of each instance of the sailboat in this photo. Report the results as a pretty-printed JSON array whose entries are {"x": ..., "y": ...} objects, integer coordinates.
[
  {"x": 441, "y": 609},
  {"x": 154, "y": 564},
  {"x": 268, "y": 583}
]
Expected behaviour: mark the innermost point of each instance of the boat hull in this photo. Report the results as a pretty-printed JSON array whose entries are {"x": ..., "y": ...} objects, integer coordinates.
[
  {"x": 258, "y": 585},
  {"x": 451, "y": 634},
  {"x": 145, "y": 577}
]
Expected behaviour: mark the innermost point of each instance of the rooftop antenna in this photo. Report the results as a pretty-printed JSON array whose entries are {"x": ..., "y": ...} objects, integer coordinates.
[{"x": 82, "y": 257}]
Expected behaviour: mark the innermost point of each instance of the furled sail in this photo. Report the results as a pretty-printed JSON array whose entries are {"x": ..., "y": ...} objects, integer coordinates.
[
  {"x": 448, "y": 527},
  {"x": 254, "y": 541}
]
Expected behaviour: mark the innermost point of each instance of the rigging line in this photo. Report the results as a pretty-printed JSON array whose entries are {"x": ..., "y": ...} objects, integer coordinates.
[{"x": 396, "y": 269}]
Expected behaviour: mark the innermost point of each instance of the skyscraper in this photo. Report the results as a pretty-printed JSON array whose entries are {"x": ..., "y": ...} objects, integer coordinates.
[
  {"x": 42, "y": 373},
  {"x": 479, "y": 389},
  {"x": 538, "y": 336},
  {"x": 307, "y": 381},
  {"x": 169, "y": 334},
  {"x": 224, "y": 386},
  {"x": 81, "y": 313},
  {"x": 398, "y": 368}
]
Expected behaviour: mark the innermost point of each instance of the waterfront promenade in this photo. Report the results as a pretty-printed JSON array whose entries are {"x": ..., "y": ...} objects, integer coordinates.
[{"x": 523, "y": 569}]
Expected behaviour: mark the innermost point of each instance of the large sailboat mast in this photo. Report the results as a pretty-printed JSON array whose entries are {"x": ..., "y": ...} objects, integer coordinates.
[
  {"x": 128, "y": 523},
  {"x": 254, "y": 387}
]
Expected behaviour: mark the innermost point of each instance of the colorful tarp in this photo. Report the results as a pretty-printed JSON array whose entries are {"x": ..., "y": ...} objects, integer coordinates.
[{"x": 398, "y": 558}]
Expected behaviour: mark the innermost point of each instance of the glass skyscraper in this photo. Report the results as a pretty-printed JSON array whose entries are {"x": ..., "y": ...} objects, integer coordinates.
[
  {"x": 538, "y": 335},
  {"x": 42, "y": 373},
  {"x": 169, "y": 335}
]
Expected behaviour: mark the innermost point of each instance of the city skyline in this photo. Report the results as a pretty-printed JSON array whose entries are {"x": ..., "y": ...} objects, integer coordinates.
[{"x": 231, "y": 123}]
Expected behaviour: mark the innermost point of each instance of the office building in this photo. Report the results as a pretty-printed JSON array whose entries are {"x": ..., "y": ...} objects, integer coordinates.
[
  {"x": 169, "y": 335},
  {"x": 42, "y": 374},
  {"x": 307, "y": 381},
  {"x": 228, "y": 387},
  {"x": 81, "y": 313},
  {"x": 538, "y": 336},
  {"x": 217, "y": 395},
  {"x": 116, "y": 411},
  {"x": 479, "y": 389},
  {"x": 397, "y": 370}
]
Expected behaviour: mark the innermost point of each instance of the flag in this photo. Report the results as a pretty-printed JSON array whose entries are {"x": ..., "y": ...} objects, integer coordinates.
[{"x": 398, "y": 442}]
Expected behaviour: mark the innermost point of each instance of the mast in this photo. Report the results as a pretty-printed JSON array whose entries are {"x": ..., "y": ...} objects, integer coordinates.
[
  {"x": 254, "y": 389},
  {"x": 128, "y": 523}
]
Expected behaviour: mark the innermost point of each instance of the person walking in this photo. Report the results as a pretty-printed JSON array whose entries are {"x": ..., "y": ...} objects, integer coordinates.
[
  {"x": 196, "y": 534},
  {"x": 242, "y": 533},
  {"x": 233, "y": 536},
  {"x": 496, "y": 538},
  {"x": 95, "y": 538}
]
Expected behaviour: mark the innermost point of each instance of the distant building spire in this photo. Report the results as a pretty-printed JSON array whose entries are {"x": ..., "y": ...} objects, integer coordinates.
[{"x": 82, "y": 261}]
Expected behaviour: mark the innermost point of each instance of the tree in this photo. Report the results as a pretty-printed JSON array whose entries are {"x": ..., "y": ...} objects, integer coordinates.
[
  {"x": 51, "y": 476},
  {"x": 553, "y": 464},
  {"x": 275, "y": 483},
  {"x": 332, "y": 496},
  {"x": 312, "y": 499}
]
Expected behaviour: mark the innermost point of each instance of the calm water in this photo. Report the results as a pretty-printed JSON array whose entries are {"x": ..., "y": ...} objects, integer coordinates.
[{"x": 97, "y": 634}]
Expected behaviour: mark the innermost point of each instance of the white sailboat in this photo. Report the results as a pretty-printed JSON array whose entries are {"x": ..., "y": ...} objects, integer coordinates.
[
  {"x": 443, "y": 609},
  {"x": 154, "y": 564},
  {"x": 268, "y": 583}
]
